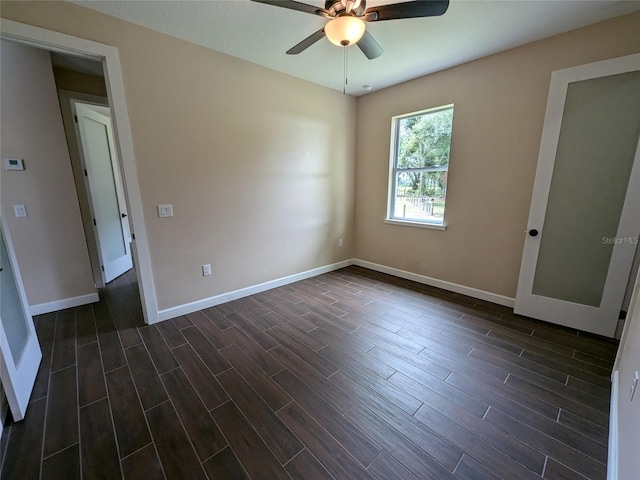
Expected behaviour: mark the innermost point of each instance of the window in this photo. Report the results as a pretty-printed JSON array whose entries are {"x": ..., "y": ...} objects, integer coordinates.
[{"x": 419, "y": 166}]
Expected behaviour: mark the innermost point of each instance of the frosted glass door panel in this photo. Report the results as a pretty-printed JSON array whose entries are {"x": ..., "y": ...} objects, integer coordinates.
[
  {"x": 14, "y": 321},
  {"x": 20, "y": 353},
  {"x": 595, "y": 154}
]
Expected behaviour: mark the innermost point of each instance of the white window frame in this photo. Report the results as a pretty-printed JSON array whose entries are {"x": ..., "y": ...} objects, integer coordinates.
[{"x": 393, "y": 172}]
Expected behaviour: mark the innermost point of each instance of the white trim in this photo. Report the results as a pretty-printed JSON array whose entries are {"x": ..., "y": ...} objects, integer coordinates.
[
  {"x": 191, "y": 307},
  {"x": 634, "y": 305},
  {"x": 612, "y": 457},
  {"x": 70, "y": 302},
  {"x": 59, "y": 42},
  {"x": 408, "y": 223},
  {"x": 434, "y": 282},
  {"x": 186, "y": 308}
]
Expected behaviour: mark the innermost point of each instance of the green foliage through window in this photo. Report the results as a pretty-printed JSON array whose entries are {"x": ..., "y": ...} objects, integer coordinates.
[{"x": 420, "y": 165}]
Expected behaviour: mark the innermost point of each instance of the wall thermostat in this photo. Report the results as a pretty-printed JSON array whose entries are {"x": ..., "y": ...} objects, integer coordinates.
[{"x": 13, "y": 164}]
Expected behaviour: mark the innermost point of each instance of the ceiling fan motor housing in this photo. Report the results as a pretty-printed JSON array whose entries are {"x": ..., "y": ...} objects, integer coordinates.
[{"x": 337, "y": 7}]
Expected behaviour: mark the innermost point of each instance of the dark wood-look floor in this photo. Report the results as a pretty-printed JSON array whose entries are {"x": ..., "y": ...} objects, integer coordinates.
[{"x": 348, "y": 375}]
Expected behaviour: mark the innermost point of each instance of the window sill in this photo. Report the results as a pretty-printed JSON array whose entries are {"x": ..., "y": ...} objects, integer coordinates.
[{"x": 408, "y": 223}]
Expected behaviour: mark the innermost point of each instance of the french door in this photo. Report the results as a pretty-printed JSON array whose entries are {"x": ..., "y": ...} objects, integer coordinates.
[
  {"x": 19, "y": 348},
  {"x": 584, "y": 220}
]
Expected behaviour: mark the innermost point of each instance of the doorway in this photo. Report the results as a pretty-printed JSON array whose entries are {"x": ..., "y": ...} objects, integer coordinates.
[
  {"x": 89, "y": 134},
  {"x": 108, "y": 58}
]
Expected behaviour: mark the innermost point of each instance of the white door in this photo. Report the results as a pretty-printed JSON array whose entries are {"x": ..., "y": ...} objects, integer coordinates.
[
  {"x": 19, "y": 348},
  {"x": 584, "y": 219},
  {"x": 105, "y": 191}
]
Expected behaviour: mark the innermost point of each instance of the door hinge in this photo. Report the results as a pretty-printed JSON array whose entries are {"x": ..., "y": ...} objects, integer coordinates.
[
  {"x": 102, "y": 267},
  {"x": 623, "y": 315},
  {"x": 75, "y": 118},
  {"x": 85, "y": 173},
  {"x": 94, "y": 222},
  {"x": 133, "y": 236}
]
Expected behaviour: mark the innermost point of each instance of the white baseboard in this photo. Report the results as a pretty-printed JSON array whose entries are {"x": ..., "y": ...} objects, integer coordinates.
[
  {"x": 245, "y": 292},
  {"x": 191, "y": 307},
  {"x": 434, "y": 282},
  {"x": 71, "y": 302},
  {"x": 612, "y": 458}
]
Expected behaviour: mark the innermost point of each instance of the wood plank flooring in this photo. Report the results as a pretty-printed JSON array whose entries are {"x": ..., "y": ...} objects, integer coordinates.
[{"x": 348, "y": 375}]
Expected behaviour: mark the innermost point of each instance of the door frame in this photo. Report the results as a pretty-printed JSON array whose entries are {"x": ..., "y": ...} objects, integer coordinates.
[
  {"x": 108, "y": 56},
  {"x": 557, "y": 311},
  {"x": 66, "y": 97}
]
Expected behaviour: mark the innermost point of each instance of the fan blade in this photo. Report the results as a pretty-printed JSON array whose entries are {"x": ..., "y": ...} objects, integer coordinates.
[
  {"x": 306, "y": 43},
  {"x": 291, "y": 5},
  {"x": 369, "y": 46},
  {"x": 415, "y": 9}
]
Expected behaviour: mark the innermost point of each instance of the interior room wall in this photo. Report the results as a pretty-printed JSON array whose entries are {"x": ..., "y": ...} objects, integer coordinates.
[
  {"x": 49, "y": 243},
  {"x": 79, "y": 82},
  {"x": 258, "y": 165},
  {"x": 500, "y": 103}
]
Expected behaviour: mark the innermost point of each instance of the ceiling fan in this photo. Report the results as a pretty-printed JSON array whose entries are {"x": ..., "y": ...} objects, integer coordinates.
[{"x": 346, "y": 20}]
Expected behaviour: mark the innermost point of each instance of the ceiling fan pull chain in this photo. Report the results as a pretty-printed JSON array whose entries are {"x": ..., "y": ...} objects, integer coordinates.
[{"x": 344, "y": 67}]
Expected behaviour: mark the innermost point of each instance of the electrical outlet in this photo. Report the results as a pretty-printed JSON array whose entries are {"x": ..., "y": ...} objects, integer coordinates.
[
  {"x": 340, "y": 242},
  {"x": 206, "y": 270}
]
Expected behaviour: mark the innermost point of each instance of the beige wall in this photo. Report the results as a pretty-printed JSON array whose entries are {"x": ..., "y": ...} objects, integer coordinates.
[
  {"x": 49, "y": 243},
  {"x": 259, "y": 166},
  {"x": 499, "y": 111},
  {"x": 79, "y": 82}
]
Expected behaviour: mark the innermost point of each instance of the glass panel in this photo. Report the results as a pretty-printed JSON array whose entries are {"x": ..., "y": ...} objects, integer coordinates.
[
  {"x": 596, "y": 147},
  {"x": 103, "y": 190},
  {"x": 11, "y": 313},
  {"x": 420, "y": 196},
  {"x": 424, "y": 140}
]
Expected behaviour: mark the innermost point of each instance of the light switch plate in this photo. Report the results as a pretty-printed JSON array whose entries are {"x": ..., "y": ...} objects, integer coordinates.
[
  {"x": 13, "y": 164},
  {"x": 20, "y": 211},
  {"x": 165, "y": 211}
]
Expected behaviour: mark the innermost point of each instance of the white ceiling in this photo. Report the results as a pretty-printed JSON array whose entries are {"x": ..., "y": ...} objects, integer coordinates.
[{"x": 261, "y": 34}]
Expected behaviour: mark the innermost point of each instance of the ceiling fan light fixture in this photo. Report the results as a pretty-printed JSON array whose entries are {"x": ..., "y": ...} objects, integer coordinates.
[{"x": 344, "y": 30}]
